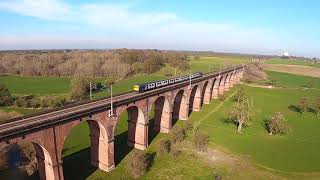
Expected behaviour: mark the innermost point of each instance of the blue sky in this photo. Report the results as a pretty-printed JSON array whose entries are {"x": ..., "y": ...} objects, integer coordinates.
[{"x": 247, "y": 26}]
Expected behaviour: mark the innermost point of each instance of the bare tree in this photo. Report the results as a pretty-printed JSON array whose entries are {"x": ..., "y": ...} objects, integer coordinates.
[
  {"x": 277, "y": 125},
  {"x": 242, "y": 112},
  {"x": 316, "y": 105},
  {"x": 304, "y": 104}
]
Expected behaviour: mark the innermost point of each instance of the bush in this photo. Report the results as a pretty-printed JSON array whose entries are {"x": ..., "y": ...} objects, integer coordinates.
[
  {"x": 201, "y": 141},
  {"x": 138, "y": 164},
  {"x": 254, "y": 72},
  {"x": 222, "y": 97},
  {"x": 164, "y": 146},
  {"x": 277, "y": 125},
  {"x": 188, "y": 126},
  {"x": 5, "y": 96},
  {"x": 176, "y": 153},
  {"x": 178, "y": 134}
]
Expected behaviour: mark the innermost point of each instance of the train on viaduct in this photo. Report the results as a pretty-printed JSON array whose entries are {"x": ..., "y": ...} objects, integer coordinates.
[{"x": 48, "y": 130}]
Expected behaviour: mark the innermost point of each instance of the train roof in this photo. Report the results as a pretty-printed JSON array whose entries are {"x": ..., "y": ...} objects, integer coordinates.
[{"x": 163, "y": 79}]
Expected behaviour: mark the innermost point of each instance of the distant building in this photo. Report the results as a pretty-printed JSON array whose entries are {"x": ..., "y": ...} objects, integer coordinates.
[{"x": 286, "y": 55}]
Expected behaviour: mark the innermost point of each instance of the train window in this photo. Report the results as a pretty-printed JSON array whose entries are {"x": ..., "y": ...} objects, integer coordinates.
[
  {"x": 150, "y": 86},
  {"x": 171, "y": 81},
  {"x": 158, "y": 84},
  {"x": 165, "y": 82}
]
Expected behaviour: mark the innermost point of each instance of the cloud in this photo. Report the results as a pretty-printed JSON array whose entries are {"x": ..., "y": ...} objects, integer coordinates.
[
  {"x": 43, "y": 9},
  {"x": 136, "y": 29}
]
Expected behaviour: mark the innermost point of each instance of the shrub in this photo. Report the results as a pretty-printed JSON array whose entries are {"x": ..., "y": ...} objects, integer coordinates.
[
  {"x": 138, "y": 164},
  {"x": 188, "y": 126},
  {"x": 178, "y": 134},
  {"x": 201, "y": 141},
  {"x": 277, "y": 125},
  {"x": 164, "y": 146},
  {"x": 254, "y": 72},
  {"x": 5, "y": 96},
  {"x": 222, "y": 97},
  {"x": 176, "y": 152}
]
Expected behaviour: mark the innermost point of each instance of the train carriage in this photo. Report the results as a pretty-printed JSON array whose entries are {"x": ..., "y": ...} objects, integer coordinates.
[{"x": 140, "y": 88}]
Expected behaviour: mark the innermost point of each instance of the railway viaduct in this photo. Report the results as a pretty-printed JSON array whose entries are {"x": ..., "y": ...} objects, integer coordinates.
[{"x": 47, "y": 131}]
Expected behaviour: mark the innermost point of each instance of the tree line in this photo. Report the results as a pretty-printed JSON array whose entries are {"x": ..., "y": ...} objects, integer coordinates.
[{"x": 109, "y": 63}]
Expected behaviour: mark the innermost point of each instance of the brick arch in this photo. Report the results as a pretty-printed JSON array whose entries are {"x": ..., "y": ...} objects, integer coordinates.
[
  {"x": 101, "y": 149},
  {"x": 231, "y": 81},
  {"x": 137, "y": 124},
  {"x": 101, "y": 144},
  {"x": 44, "y": 160},
  {"x": 221, "y": 83},
  {"x": 162, "y": 114},
  {"x": 227, "y": 82},
  {"x": 180, "y": 105},
  {"x": 204, "y": 88},
  {"x": 208, "y": 91},
  {"x": 195, "y": 98},
  {"x": 215, "y": 88}
]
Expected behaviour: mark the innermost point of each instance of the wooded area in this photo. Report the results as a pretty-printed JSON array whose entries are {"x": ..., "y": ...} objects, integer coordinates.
[{"x": 108, "y": 63}]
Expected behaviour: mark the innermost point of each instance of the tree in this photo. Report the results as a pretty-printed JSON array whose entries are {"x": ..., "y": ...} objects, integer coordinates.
[
  {"x": 240, "y": 94},
  {"x": 80, "y": 87},
  {"x": 242, "y": 112},
  {"x": 277, "y": 125},
  {"x": 316, "y": 105},
  {"x": 196, "y": 58},
  {"x": 304, "y": 104},
  {"x": 5, "y": 96}
]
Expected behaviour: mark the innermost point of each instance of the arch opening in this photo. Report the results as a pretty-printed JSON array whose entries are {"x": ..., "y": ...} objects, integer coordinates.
[
  {"x": 195, "y": 99},
  {"x": 81, "y": 147},
  {"x": 180, "y": 107}
]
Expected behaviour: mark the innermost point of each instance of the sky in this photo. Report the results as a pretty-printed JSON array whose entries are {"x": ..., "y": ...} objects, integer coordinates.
[{"x": 246, "y": 26}]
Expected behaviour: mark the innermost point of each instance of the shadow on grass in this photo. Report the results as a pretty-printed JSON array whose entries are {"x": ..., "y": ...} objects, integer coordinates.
[
  {"x": 151, "y": 157},
  {"x": 78, "y": 165},
  {"x": 313, "y": 111},
  {"x": 295, "y": 108},
  {"x": 121, "y": 148},
  {"x": 152, "y": 132}
]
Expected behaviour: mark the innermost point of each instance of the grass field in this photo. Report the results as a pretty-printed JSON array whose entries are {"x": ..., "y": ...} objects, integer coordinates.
[
  {"x": 292, "y": 81},
  {"x": 291, "y": 62},
  {"x": 19, "y": 85}
]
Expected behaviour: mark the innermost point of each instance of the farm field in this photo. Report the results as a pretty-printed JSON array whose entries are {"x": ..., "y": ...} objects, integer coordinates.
[
  {"x": 294, "y": 69},
  {"x": 291, "y": 62}
]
